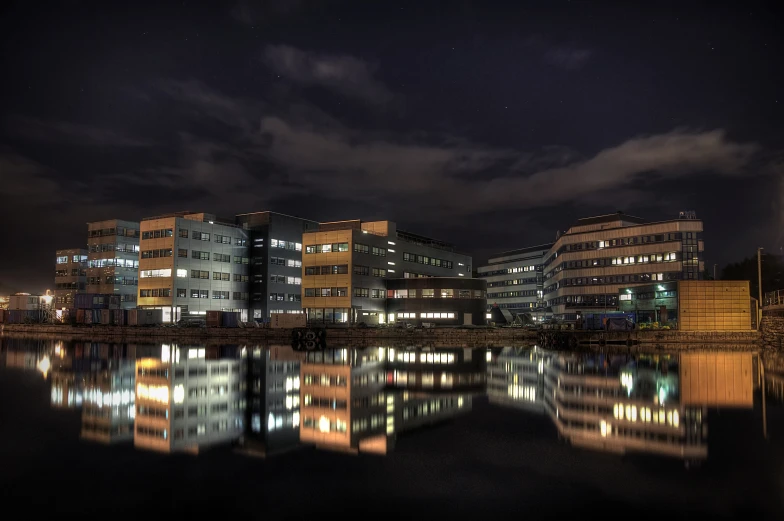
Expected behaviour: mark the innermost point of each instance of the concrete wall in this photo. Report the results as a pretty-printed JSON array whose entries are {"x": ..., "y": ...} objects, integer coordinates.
[{"x": 714, "y": 305}]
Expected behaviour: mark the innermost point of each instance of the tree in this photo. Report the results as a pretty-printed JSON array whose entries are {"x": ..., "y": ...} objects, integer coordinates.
[
  {"x": 772, "y": 273},
  {"x": 707, "y": 275}
]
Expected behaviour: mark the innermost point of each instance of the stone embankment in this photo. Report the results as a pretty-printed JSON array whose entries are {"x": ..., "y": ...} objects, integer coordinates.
[{"x": 773, "y": 330}]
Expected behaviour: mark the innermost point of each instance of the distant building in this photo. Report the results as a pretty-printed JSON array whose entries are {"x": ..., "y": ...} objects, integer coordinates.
[
  {"x": 191, "y": 263},
  {"x": 597, "y": 256},
  {"x": 435, "y": 300},
  {"x": 275, "y": 242},
  {"x": 70, "y": 276},
  {"x": 113, "y": 259},
  {"x": 515, "y": 281},
  {"x": 185, "y": 403},
  {"x": 28, "y": 302},
  {"x": 346, "y": 263}
]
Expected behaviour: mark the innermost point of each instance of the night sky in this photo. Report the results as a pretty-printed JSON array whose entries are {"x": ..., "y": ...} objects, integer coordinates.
[{"x": 490, "y": 125}]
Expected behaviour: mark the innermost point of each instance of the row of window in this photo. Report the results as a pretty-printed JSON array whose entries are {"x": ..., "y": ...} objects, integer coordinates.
[
  {"x": 63, "y": 259},
  {"x": 216, "y": 257},
  {"x": 290, "y": 297},
  {"x": 339, "y": 269},
  {"x": 110, "y": 246},
  {"x": 371, "y": 293},
  {"x": 75, "y": 272},
  {"x": 157, "y": 234},
  {"x": 507, "y": 294},
  {"x": 119, "y": 231},
  {"x": 618, "y": 279},
  {"x": 113, "y": 263},
  {"x": 324, "y": 424},
  {"x": 325, "y": 380},
  {"x": 290, "y": 263},
  {"x": 433, "y": 293},
  {"x": 326, "y": 292},
  {"x": 621, "y": 242},
  {"x": 424, "y": 259},
  {"x": 111, "y": 279},
  {"x": 325, "y": 403},
  {"x": 367, "y": 271},
  {"x": 285, "y": 279},
  {"x": 327, "y": 248},
  {"x": 154, "y": 254},
  {"x": 411, "y": 275},
  {"x": 510, "y": 282},
  {"x": 649, "y": 295},
  {"x": 288, "y": 245},
  {"x": 373, "y": 250}
]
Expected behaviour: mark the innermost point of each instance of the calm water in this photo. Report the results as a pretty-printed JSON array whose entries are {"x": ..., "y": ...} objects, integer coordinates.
[{"x": 403, "y": 430}]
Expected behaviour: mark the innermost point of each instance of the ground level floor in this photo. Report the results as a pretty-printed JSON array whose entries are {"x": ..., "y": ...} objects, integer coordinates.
[{"x": 357, "y": 315}]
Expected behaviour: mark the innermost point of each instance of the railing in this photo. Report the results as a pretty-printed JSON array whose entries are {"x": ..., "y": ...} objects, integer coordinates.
[{"x": 774, "y": 298}]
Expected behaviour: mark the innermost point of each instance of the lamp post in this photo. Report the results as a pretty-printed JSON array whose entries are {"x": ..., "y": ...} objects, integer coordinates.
[{"x": 759, "y": 282}]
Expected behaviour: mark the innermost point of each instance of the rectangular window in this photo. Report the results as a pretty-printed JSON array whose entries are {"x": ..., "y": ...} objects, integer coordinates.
[
  {"x": 220, "y": 295},
  {"x": 158, "y": 292},
  {"x": 199, "y": 236},
  {"x": 144, "y": 274},
  {"x": 220, "y": 257},
  {"x": 379, "y": 272},
  {"x": 447, "y": 293},
  {"x": 201, "y": 255},
  {"x": 310, "y": 292},
  {"x": 381, "y": 252},
  {"x": 361, "y": 248},
  {"x": 293, "y": 263},
  {"x": 183, "y": 233},
  {"x": 361, "y": 270},
  {"x": 181, "y": 292},
  {"x": 182, "y": 253},
  {"x": 238, "y": 295},
  {"x": 428, "y": 293},
  {"x": 312, "y": 270},
  {"x": 222, "y": 239},
  {"x": 154, "y": 254},
  {"x": 217, "y": 275},
  {"x": 200, "y": 274},
  {"x": 240, "y": 278},
  {"x": 400, "y": 293},
  {"x": 377, "y": 293},
  {"x": 200, "y": 293},
  {"x": 240, "y": 260},
  {"x": 361, "y": 292}
]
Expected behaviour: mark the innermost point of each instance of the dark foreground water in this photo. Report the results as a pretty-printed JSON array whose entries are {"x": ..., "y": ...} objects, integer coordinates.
[{"x": 499, "y": 458}]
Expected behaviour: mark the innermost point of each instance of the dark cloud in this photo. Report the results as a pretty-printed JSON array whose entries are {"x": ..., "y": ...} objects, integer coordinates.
[
  {"x": 568, "y": 58},
  {"x": 68, "y": 133},
  {"x": 343, "y": 74}
]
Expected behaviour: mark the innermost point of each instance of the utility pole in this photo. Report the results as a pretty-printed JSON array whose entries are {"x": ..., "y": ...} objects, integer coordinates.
[
  {"x": 759, "y": 281},
  {"x": 714, "y": 272}
]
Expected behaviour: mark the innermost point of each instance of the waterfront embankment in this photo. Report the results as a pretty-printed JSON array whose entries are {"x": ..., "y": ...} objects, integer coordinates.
[{"x": 457, "y": 337}]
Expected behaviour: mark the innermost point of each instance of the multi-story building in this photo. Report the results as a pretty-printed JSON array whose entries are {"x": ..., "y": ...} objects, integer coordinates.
[
  {"x": 113, "y": 259},
  {"x": 515, "y": 280},
  {"x": 108, "y": 407},
  {"x": 346, "y": 263},
  {"x": 192, "y": 263},
  {"x": 273, "y": 411},
  {"x": 185, "y": 403},
  {"x": 597, "y": 256},
  {"x": 276, "y": 261},
  {"x": 351, "y": 400},
  {"x": 515, "y": 378},
  {"x": 70, "y": 276}
]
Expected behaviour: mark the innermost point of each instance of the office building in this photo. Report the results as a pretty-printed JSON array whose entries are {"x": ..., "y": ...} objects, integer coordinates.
[
  {"x": 691, "y": 305},
  {"x": 275, "y": 242},
  {"x": 597, "y": 256},
  {"x": 273, "y": 412},
  {"x": 346, "y": 263},
  {"x": 514, "y": 281},
  {"x": 70, "y": 276},
  {"x": 348, "y": 402},
  {"x": 113, "y": 259},
  {"x": 185, "y": 403},
  {"x": 108, "y": 408},
  {"x": 191, "y": 263},
  {"x": 443, "y": 301}
]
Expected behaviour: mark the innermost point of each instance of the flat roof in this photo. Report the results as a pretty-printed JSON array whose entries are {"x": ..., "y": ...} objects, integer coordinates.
[{"x": 610, "y": 217}]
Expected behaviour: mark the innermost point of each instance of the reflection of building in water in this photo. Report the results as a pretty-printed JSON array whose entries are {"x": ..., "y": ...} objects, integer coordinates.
[
  {"x": 515, "y": 378},
  {"x": 435, "y": 369},
  {"x": 67, "y": 390},
  {"x": 108, "y": 409},
  {"x": 645, "y": 403},
  {"x": 273, "y": 414},
  {"x": 185, "y": 402},
  {"x": 349, "y": 402}
]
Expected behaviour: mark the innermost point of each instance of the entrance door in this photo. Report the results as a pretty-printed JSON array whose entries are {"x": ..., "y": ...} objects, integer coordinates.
[{"x": 467, "y": 320}]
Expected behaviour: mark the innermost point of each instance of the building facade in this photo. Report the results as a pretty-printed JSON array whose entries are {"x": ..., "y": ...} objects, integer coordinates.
[
  {"x": 70, "y": 276},
  {"x": 691, "y": 305},
  {"x": 345, "y": 265},
  {"x": 275, "y": 242},
  {"x": 113, "y": 259},
  {"x": 597, "y": 256},
  {"x": 444, "y": 301},
  {"x": 185, "y": 403},
  {"x": 515, "y": 281},
  {"x": 191, "y": 263}
]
